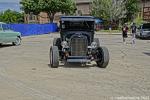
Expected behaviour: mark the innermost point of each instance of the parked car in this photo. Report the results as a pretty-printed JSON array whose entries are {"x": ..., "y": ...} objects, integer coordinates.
[
  {"x": 9, "y": 36},
  {"x": 77, "y": 43},
  {"x": 143, "y": 31}
]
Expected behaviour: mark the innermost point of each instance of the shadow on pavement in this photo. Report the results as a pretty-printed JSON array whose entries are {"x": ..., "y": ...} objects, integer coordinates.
[
  {"x": 75, "y": 65},
  {"x": 147, "y": 53},
  {"x": 6, "y": 45}
]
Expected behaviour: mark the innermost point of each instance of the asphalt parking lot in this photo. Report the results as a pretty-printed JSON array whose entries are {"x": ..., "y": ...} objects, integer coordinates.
[{"x": 26, "y": 75}]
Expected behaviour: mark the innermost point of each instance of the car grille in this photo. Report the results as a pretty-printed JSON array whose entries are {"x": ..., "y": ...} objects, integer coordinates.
[{"x": 78, "y": 46}]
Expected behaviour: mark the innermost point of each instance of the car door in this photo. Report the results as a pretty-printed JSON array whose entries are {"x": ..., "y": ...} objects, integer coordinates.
[{"x": 8, "y": 35}]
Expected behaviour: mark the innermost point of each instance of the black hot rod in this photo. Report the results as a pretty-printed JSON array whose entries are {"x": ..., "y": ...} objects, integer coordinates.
[{"x": 77, "y": 43}]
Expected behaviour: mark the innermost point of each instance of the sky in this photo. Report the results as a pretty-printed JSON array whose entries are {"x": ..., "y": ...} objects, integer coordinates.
[
  {"x": 9, "y": 4},
  {"x": 14, "y": 1}
]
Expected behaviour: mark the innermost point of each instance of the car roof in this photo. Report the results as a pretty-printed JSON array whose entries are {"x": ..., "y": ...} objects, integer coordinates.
[
  {"x": 77, "y": 18},
  {"x": 2, "y": 23}
]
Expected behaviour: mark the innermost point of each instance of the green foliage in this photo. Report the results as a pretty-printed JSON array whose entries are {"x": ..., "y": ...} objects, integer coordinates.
[
  {"x": 51, "y": 7},
  {"x": 10, "y": 16},
  {"x": 69, "y": 7},
  {"x": 110, "y": 10},
  {"x": 139, "y": 20},
  {"x": 98, "y": 9},
  {"x": 116, "y": 9},
  {"x": 30, "y": 6},
  {"x": 133, "y": 8}
]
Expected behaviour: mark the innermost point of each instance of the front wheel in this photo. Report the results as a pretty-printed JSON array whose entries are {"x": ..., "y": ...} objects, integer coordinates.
[
  {"x": 17, "y": 41},
  {"x": 54, "y": 57},
  {"x": 102, "y": 57}
]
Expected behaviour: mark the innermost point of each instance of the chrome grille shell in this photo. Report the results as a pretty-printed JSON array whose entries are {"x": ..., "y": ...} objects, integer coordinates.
[{"x": 78, "y": 45}]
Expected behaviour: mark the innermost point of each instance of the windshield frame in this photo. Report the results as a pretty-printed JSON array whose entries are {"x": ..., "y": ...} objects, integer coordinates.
[{"x": 146, "y": 26}]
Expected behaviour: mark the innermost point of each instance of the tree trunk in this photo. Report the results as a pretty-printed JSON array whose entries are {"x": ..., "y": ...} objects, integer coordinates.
[{"x": 51, "y": 17}]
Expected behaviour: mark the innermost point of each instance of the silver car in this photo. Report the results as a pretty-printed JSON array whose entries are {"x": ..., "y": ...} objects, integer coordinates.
[{"x": 143, "y": 31}]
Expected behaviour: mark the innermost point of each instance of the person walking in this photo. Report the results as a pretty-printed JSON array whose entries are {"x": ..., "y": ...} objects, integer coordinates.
[
  {"x": 124, "y": 32},
  {"x": 133, "y": 31}
]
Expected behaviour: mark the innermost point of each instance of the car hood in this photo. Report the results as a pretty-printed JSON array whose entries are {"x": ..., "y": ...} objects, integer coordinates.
[
  {"x": 148, "y": 29},
  {"x": 146, "y": 32}
]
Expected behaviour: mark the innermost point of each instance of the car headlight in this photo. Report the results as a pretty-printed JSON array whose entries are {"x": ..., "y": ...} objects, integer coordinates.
[
  {"x": 93, "y": 44},
  {"x": 64, "y": 44}
]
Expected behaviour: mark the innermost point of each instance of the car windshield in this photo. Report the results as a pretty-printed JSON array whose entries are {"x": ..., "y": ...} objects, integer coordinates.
[
  {"x": 4, "y": 27},
  {"x": 146, "y": 26},
  {"x": 77, "y": 25}
]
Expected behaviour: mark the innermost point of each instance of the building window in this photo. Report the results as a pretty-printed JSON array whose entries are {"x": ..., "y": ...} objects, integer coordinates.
[{"x": 32, "y": 18}]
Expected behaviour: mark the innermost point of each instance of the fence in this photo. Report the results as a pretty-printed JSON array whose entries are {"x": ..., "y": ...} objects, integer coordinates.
[{"x": 34, "y": 29}]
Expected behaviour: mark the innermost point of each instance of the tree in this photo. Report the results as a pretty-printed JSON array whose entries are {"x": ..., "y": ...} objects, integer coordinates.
[
  {"x": 51, "y": 7},
  {"x": 10, "y": 16},
  {"x": 110, "y": 10},
  {"x": 30, "y": 6},
  {"x": 114, "y": 10},
  {"x": 133, "y": 8}
]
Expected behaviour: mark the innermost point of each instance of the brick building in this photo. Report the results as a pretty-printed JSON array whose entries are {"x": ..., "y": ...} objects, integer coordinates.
[
  {"x": 83, "y": 8},
  {"x": 146, "y": 10}
]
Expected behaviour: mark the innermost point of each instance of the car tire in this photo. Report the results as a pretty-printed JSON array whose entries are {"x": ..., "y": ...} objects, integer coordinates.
[
  {"x": 97, "y": 41},
  {"x": 57, "y": 42},
  {"x": 103, "y": 57},
  {"x": 54, "y": 57},
  {"x": 17, "y": 42}
]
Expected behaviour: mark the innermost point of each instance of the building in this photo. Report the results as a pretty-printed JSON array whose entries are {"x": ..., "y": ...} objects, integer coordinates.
[
  {"x": 146, "y": 10},
  {"x": 83, "y": 8},
  {"x": 41, "y": 18}
]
